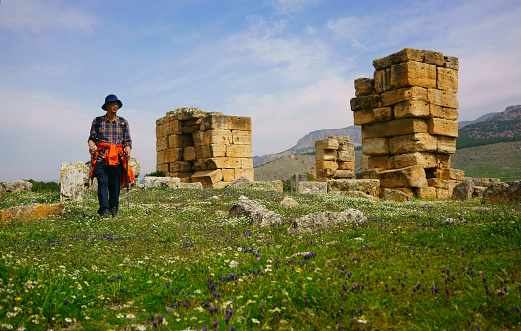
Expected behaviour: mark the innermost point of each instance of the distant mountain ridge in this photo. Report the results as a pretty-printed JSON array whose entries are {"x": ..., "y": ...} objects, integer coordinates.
[{"x": 308, "y": 141}]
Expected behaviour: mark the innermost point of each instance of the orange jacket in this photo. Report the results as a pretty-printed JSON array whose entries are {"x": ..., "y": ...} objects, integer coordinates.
[{"x": 111, "y": 156}]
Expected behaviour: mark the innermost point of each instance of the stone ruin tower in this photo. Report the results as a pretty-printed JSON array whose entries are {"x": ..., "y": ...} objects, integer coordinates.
[
  {"x": 408, "y": 113},
  {"x": 334, "y": 158},
  {"x": 207, "y": 147}
]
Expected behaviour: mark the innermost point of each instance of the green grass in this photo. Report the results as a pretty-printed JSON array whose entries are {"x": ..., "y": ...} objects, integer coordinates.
[{"x": 171, "y": 258}]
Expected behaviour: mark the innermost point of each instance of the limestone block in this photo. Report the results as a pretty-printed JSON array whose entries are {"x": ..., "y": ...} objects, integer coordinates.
[
  {"x": 412, "y": 73},
  {"x": 395, "y": 195},
  {"x": 228, "y": 175},
  {"x": 246, "y": 163},
  {"x": 25, "y": 186},
  {"x": 463, "y": 191},
  {"x": 326, "y": 164},
  {"x": 175, "y": 141},
  {"x": 135, "y": 166},
  {"x": 207, "y": 178},
  {"x": 375, "y": 146},
  {"x": 345, "y": 145},
  {"x": 217, "y": 136},
  {"x": 421, "y": 159},
  {"x": 413, "y": 176},
  {"x": 344, "y": 174},
  {"x": 483, "y": 182},
  {"x": 161, "y": 129},
  {"x": 189, "y": 154},
  {"x": 173, "y": 155},
  {"x": 71, "y": 181},
  {"x": 346, "y": 165},
  {"x": 364, "y": 161},
  {"x": 383, "y": 114},
  {"x": 455, "y": 174},
  {"x": 446, "y": 184},
  {"x": 364, "y": 86},
  {"x": 426, "y": 193},
  {"x": 368, "y": 186},
  {"x": 161, "y": 143},
  {"x": 442, "y": 98},
  {"x": 325, "y": 155},
  {"x": 344, "y": 156},
  {"x": 382, "y": 80},
  {"x": 151, "y": 181},
  {"x": 451, "y": 62},
  {"x": 341, "y": 139},
  {"x": 187, "y": 113},
  {"x": 217, "y": 150},
  {"x": 201, "y": 164},
  {"x": 239, "y": 151},
  {"x": 198, "y": 138},
  {"x": 406, "y": 54},
  {"x": 364, "y": 116},
  {"x": 193, "y": 186},
  {"x": 162, "y": 167},
  {"x": 184, "y": 177},
  {"x": 443, "y": 112},
  {"x": 248, "y": 173},
  {"x": 180, "y": 166},
  {"x": 442, "y": 160},
  {"x": 410, "y": 143},
  {"x": 326, "y": 173},
  {"x": 312, "y": 187},
  {"x": 380, "y": 162},
  {"x": 30, "y": 212},
  {"x": 366, "y": 102},
  {"x": 439, "y": 126},
  {"x": 295, "y": 179},
  {"x": 478, "y": 191},
  {"x": 432, "y": 57},
  {"x": 242, "y": 123},
  {"x": 216, "y": 121},
  {"x": 447, "y": 79},
  {"x": 202, "y": 152},
  {"x": 160, "y": 157},
  {"x": 174, "y": 127},
  {"x": 394, "y": 128},
  {"x": 393, "y": 97},
  {"x": 411, "y": 108},
  {"x": 500, "y": 193},
  {"x": 188, "y": 140},
  {"x": 191, "y": 128},
  {"x": 241, "y": 137},
  {"x": 367, "y": 174},
  {"x": 442, "y": 194},
  {"x": 410, "y": 191},
  {"x": 446, "y": 145},
  {"x": 326, "y": 144},
  {"x": 224, "y": 163},
  {"x": 275, "y": 185}
]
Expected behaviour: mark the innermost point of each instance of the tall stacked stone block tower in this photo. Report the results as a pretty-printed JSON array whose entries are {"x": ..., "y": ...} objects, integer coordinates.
[
  {"x": 408, "y": 113},
  {"x": 207, "y": 147},
  {"x": 334, "y": 158}
]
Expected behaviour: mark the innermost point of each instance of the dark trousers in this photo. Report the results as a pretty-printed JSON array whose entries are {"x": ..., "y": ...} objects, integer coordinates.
[{"x": 109, "y": 184}]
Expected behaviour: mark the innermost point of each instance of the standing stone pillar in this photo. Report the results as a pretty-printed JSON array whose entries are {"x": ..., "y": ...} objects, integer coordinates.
[{"x": 71, "y": 179}]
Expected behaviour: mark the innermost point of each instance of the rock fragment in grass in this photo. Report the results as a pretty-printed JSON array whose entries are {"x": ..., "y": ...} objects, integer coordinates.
[
  {"x": 326, "y": 219},
  {"x": 258, "y": 213}
]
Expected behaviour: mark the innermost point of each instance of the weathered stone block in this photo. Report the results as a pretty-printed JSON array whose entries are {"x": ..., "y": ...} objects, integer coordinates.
[
  {"x": 364, "y": 116},
  {"x": 382, "y": 80},
  {"x": 248, "y": 173},
  {"x": 367, "y": 174},
  {"x": 242, "y": 123},
  {"x": 344, "y": 174},
  {"x": 173, "y": 155},
  {"x": 394, "y": 128},
  {"x": 443, "y": 112},
  {"x": 189, "y": 154},
  {"x": 411, "y": 108},
  {"x": 446, "y": 145},
  {"x": 463, "y": 191},
  {"x": 175, "y": 141},
  {"x": 443, "y": 98},
  {"x": 161, "y": 143},
  {"x": 393, "y": 97},
  {"x": 412, "y": 73},
  {"x": 406, "y": 177},
  {"x": 180, "y": 166},
  {"x": 380, "y": 162},
  {"x": 325, "y": 155},
  {"x": 246, "y": 163},
  {"x": 325, "y": 173},
  {"x": 432, "y": 57},
  {"x": 239, "y": 151},
  {"x": 217, "y": 136},
  {"x": 368, "y": 186},
  {"x": 439, "y": 126},
  {"x": 30, "y": 212},
  {"x": 224, "y": 163},
  {"x": 344, "y": 156},
  {"x": 216, "y": 122},
  {"x": 160, "y": 157},
  {"x": 312, "y": 187},
  {"x": 346, "y": 146},
  {"x": 395, "y": 195},
  {"x": 198, "y": 138},
  {"x": 208, "y": 178},
  {"x": 326, "y": 164},
  {"x": 383, "y": 114},
  {"x": 346, "y": 165},
  {"x": 71, "y": 179},
  {"x": 442, "y": 194},
  {"x": 499, "y": 193},
  {"x": 326, "y": 144},
  {"x": 364, "y": 86},
  {"x": 451, "y": 62},
  {"x": 421, "y": 159},
  {"x": 442, "y": 161},
  {"x": 426, "y": 193},
  {"x": 217, "y": 150},
  {"x": 455, "y": 174},
  {"x": 406, "y": 54},
  {"x": 241, "y": 137},
  {"x": 150, "y": 181},
  {"x": 447, "y": 79},
  {"x": 366, "y": 102},
  {"x": 375, "y": 146},
  {"x": 410, "y": 143}
]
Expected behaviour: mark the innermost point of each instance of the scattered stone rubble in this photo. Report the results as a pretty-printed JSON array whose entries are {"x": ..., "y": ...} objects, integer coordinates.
[
  {"x": 506, "y": 192},
  {"x": 408, "y": 115},
  {"x": 17, "y": 186},
  {"x": 30, "y": 212},
  {"x": 207, "y": 147},
  {"x": 258, "y": 213}
]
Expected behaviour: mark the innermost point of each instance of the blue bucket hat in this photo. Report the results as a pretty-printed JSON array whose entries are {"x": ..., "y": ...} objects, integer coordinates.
[{"x": 109, "y": 98}]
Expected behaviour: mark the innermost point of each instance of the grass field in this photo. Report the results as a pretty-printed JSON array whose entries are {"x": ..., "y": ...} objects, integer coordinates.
[{"x": 176, "y": 261}]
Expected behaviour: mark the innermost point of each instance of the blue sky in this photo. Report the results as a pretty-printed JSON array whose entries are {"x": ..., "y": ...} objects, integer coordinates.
[{"x": 288, "y": 64}]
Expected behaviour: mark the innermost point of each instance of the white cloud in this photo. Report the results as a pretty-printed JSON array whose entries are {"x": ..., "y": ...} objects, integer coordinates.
[
  {"x": 289, "y": 6},
  {"x": 37, "y": 16}
]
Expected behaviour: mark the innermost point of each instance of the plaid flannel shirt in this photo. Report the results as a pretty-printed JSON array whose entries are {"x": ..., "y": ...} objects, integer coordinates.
[{"x": 110, "y": 132}]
